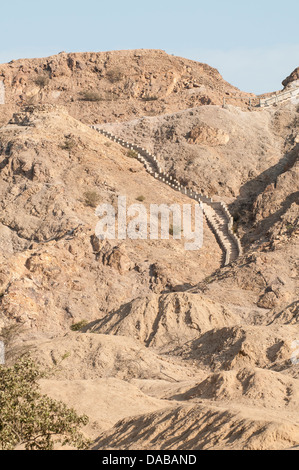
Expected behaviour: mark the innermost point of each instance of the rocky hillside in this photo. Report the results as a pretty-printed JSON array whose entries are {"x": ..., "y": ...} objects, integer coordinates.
[
  {"x": 54, "y": 171},
  {"x": 294, "y": 76},
  {"x": 114, "y": 86},
  {"x": 161, "y": 347}
]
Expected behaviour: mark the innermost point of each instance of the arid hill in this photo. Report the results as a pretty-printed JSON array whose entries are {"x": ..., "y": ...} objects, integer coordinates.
[
  {"x": 161, "y": 347},
  {"x": 115, "y": 86}
]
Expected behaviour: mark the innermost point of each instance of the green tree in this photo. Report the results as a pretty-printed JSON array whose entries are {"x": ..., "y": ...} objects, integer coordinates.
[{"x": 31, "y": 419}]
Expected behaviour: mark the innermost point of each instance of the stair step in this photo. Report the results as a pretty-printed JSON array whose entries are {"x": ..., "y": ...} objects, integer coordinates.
[{"x": 217, "y": 217}]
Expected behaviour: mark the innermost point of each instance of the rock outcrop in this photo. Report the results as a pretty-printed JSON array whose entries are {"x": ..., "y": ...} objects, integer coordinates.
[{"x": 294, "y": 76}]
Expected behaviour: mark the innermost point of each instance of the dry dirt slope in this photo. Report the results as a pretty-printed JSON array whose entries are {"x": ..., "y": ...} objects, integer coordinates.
[
  {"x": 186, "y": 355},
  {"x": 51, "y": 260}
]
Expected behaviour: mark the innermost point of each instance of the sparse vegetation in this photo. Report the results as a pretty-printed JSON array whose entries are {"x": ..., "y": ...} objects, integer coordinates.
[
  {"x": 94, "y": 96},
  {"x": 78, "y": 326},
  {"x": 65, "y": 356},
  {"x": 90, "y": 95},
  {"x": 132, "y": 154},
  {"x": 290, "y": 229},
  {"x": 208, "y": 280},
  {"x": 42, "y": 81},
  {"x": 140, "y": 198},
  {"x": 69, "y": 144},
  {"x": 33, "y": 420},
  {"x": 149, "y": 98},
  {"x": 91, "y": 198},
  {"x": 114, "y": 75}
]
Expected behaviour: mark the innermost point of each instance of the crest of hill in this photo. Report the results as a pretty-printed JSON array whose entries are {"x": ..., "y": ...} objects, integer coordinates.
[{"x": 98, "y": 87}]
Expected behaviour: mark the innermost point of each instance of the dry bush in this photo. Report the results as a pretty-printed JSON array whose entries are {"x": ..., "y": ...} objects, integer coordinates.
[
  {"x": 91, "y": 198},
  {"x": 132, "y": 154},
  {"x": 114, "y": 75},
  {"x": 69, "y": 144},
  {"x": 149, "y": 98},
  {"x": 42, "y": 81},
  {"x": 90, "y": 96}
]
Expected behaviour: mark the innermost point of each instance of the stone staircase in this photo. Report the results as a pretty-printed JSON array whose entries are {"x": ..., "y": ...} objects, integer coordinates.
[
  {"x": 216, "y": 214},
  {"x": 280, "y": 97}
]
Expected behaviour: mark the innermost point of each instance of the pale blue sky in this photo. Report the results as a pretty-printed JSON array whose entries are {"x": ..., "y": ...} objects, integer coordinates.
[{"x": 254, "y": 44}]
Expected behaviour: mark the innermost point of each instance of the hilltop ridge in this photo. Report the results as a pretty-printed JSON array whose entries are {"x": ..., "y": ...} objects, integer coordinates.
[{"x": 98, "y": 87}]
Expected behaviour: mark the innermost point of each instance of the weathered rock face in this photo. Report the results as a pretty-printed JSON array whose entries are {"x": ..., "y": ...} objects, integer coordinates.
[
  {"x": 203, "y": 134},
  {"x": 276, "y": 209},
  {"x": 118, "y": 259},
  {"x": 118, "y": 85},
  {"x": 167, "y": 320},
  {"x": 230, "y": 153},
  {"x": 291, "y": 78}
]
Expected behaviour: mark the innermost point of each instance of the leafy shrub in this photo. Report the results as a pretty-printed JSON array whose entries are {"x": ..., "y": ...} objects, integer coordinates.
[
  {"x": 31, "y": 419},
  {"x": 140, "y": 198},
  {"x": 78, "y": 326}
]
